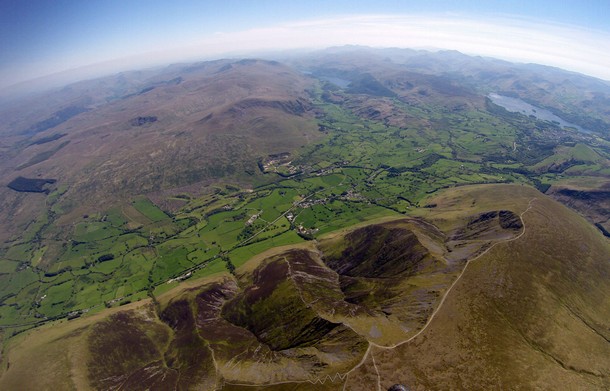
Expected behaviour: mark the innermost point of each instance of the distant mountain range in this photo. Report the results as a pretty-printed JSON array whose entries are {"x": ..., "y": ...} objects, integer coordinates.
[{"x": 345, "y": 219}]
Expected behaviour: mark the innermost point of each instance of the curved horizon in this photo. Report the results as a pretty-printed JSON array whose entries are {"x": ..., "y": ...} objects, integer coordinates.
[{"x": 515, "y": 38}]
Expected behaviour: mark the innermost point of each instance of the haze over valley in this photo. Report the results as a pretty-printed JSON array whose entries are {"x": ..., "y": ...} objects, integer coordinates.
[{"x": 309, "y": 217}]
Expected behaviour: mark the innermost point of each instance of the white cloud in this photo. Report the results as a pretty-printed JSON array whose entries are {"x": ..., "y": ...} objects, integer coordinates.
[
  {"x": 510, "y": 38},
  {"x": 516, "y": 39}
]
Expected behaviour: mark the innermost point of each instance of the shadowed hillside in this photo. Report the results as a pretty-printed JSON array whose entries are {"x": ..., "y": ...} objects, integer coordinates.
[
  {"x": 530, "y": 303},
  {"x": 355, "y": 219},
  {"x": 528, "y": 313}
]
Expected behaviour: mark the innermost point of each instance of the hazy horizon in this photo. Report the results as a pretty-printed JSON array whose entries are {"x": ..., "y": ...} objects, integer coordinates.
[{"x": 70, "y": 41}]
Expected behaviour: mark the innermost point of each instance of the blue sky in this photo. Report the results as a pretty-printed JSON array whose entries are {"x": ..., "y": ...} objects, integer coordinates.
[{"x": 40, "y": 37}]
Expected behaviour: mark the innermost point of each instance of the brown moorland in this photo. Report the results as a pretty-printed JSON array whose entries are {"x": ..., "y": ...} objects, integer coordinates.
[
  {"x": 213, "y": 123},
  {"x": 524, "y": 309}
]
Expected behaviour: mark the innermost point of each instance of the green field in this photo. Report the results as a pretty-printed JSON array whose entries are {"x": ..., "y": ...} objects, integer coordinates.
[
  {"x": 148, "y": 209},
  {"x": 361, "y": 169}
]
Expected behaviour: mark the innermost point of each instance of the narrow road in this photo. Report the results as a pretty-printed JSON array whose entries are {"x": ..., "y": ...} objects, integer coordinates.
[{"x": 294, "y": 206}]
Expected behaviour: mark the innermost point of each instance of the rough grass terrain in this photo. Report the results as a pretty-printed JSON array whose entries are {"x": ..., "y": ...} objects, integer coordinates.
[
  {"x": 529, "y": 313},
  {"x": 212, "y": 125},
  {"x": 525, "y": 310},
  {"x": 126, "y": 350},
  {"x": 360, "y": 191},
  {"x": 378, "y": 251},
  {"x": 590, "y": 196},
  {"x": 249, "y": 155}
]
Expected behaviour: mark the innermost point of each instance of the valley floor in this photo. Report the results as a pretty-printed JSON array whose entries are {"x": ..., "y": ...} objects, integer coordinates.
[{"x": 525, "y": 309}]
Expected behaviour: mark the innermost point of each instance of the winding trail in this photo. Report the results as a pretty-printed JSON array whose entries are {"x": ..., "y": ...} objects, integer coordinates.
[
  {"x": 376, "y": 372},
  {"x": 468, "y": 262},
  {"x": 345, "y": 376},
  {"x": 440, "y": 305}
]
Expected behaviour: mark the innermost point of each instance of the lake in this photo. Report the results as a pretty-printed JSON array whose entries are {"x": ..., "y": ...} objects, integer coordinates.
[{"x": 516, "y": 105}]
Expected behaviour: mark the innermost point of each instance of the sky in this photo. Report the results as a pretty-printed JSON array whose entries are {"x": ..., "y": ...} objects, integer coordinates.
[{"x": 43, "y": 37}]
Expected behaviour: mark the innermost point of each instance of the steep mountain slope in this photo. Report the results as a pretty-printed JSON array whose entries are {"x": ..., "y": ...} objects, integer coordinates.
[
  {"x": 527, "y": 311},
  {"x": 374, "y": 219},
  {"x": 212, "y": 121}
]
